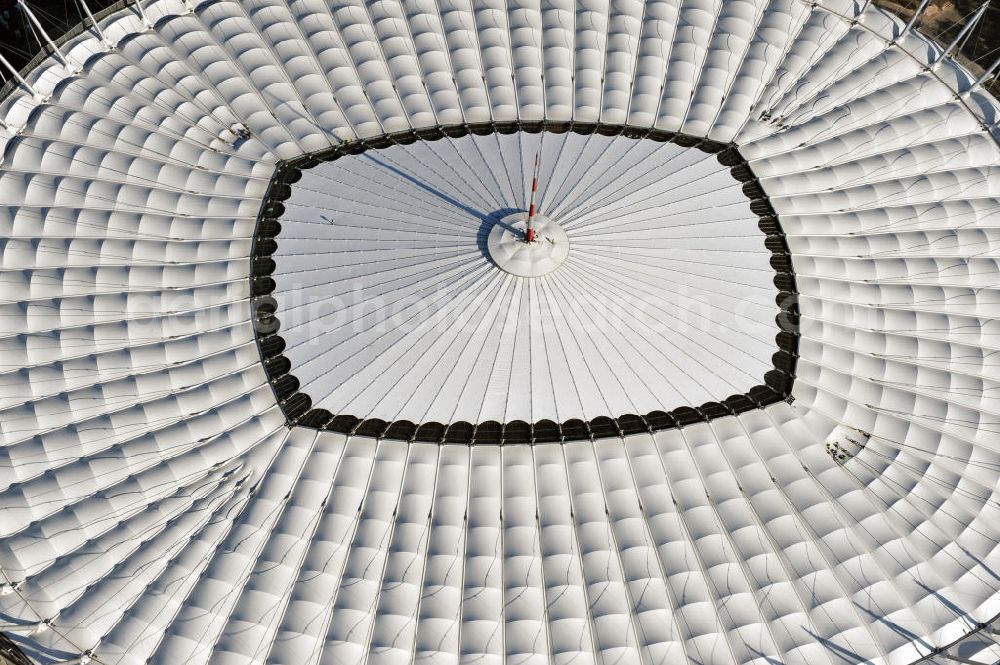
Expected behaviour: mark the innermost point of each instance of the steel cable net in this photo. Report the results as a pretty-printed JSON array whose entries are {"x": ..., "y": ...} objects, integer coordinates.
[
  {"x": 399, "y": 307},
  {"x": 160, "y": 507}
]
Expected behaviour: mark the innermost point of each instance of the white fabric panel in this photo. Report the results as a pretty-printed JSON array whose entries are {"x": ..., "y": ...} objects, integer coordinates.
[
  {"x": 438, "y": 615},
  {"x": 589, "y": 58},
  {"x": 393, "y": 629},
  {"x": 525, "y": 629},
  {"x": 692, "y": 35},
  {"x": 372, "y": 331},
  {"x": 655, "y": 44}
]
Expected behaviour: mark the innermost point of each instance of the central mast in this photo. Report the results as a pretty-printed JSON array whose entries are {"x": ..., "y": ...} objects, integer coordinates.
[{"x": 529, "y": 231}]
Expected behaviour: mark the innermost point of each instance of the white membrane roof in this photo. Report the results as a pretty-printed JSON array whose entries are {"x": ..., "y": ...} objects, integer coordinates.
[
  {"x": 158, "y": 507},
  {"x": 393, "y": 309}
]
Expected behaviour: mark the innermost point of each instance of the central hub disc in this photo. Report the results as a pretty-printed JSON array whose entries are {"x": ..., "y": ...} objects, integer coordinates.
[{"x": 512, "y": 254}]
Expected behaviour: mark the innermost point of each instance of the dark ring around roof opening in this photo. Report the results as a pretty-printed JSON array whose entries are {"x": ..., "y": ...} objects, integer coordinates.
[{"x": 297, "y": 406}]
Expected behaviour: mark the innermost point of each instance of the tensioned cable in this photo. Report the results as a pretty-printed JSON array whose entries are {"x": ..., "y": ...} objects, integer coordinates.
[
  {"x": 130, "y": 314},
  {"x": 639, "y": 283},
  {"x": 413, "y": 155},
  {"x": 344, "y": 123},
  {"x": 125, "y": 446},
  {"x": 86, "y": 194},
  {"x": 130, "y": 401},
  {"x": 450, "y": 352},
  {"x": 121, "y": 406},
  {"x": 546, "y": 197},
  {"x": 140, "y": 344},
  {"x": 918, "y": 219},
  {"x": 114, "y": 150},
  {"x": 295, "y": 568},
  {"x": 923, "y": 420},
  {"x": 901, "y": 153},
  {"x": 152, "y": 97},
  {"x": 574, "y": 209},
  {"x": 677, "y": 616},
  {"x": 261, "y": 91},
  {"x": 456, "y": 222},
  {"x": 614, "y": 556},
  {"x": 102, "y": 528},
  {"x": 227, "y": 514},
  {"x": 560, "y": 206},
  {"x": 873, "y": 32},
  {"x": 328, "y": 609},
  {"x": 457, "y": 270},
  {"x": 382, "y": 163},
  {"x": 115, "y": 138},
  {"x": 803, "y": 526},
  {"x": 523, "y": 293},
  {"x": 720, "y": 600},
  {"x": 562, "y": 332},
  {"x": 479, "y": 275},
  {"x": 623, "y": 304},
  {"x": 460, "y": 177},
  {"x": 611, "y": 255},
  {"x": 702, "y": 65},
  {"x": 905, "y": 495},
  {"x": 578, "y": 285},
  {"x": 132, "y": 372},
  {"x": 913, "y": 470},
  {"x": 389, "y": 532},
  {"x": 243, "y": 575},
  {"x": 341, "y": 45},
  {"x": 461, "y": 308},
  {"x": 921, "y": 389},
  {"x": 798, "y": 521},
  {"x": 914, "y": 358},
  {"x": 514, "y": 286},
  {"x": 723, "y": 529},
  {"x": 734, "y": 71},
  {"x": 598, "y": 336},
  {"x": 577, "y": 224},
  {"x": 852, "y": 524},
  {"x": 52, "y": 626}
]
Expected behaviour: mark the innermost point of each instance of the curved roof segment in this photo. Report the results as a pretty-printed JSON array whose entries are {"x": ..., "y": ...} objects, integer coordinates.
[{"x": 162, "y": 502}]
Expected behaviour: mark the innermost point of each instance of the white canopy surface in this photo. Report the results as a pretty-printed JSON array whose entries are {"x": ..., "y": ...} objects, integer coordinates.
[
  {"x": 393, "y": 308},
  {"x": 158, "y": 507}
]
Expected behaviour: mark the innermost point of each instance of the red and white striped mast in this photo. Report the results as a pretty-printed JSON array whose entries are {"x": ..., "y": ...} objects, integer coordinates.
[{"x": 529, "y": 231}]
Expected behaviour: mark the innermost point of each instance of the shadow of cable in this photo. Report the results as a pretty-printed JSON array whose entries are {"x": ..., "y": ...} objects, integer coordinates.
[
  {"x": 450, "y": 200},
  {"x": 840, "y": 652},
  {"x": 908, "y": 635},
  {"x": 770, "y": 660},
  {"x": 487, "y": 219}
]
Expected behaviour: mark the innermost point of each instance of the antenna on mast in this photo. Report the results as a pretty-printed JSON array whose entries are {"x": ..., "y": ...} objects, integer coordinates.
[{"x": 529, "y": 231}]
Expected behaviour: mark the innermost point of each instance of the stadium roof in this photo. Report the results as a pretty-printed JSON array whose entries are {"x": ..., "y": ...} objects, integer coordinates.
[{"x": 274, "y": 391}]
